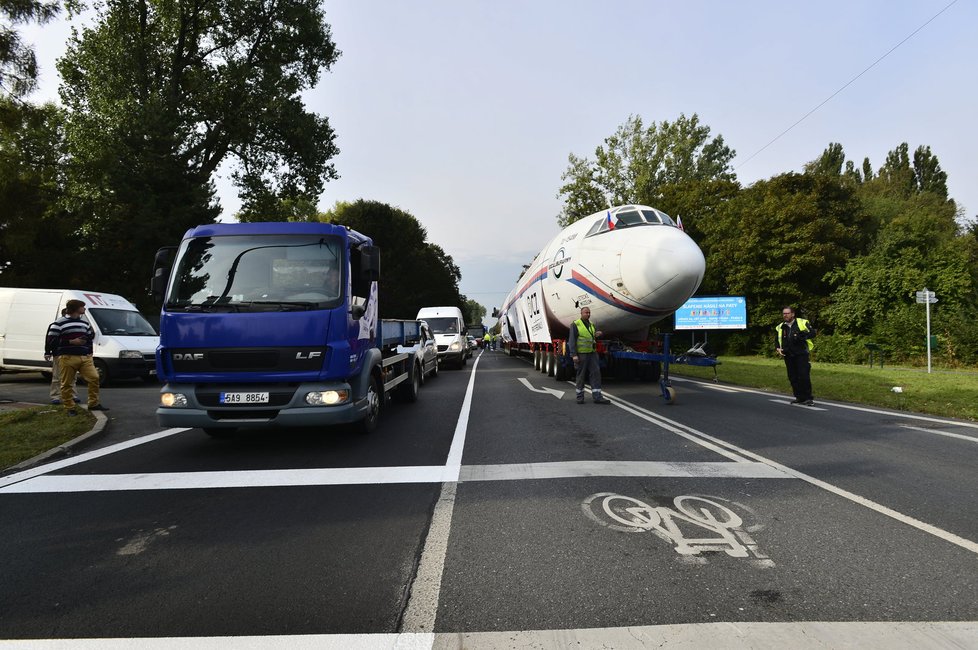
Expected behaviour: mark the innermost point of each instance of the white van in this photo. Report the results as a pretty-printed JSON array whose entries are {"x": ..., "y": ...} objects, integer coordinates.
[
  {"x": 125, "y": 342},
  {"x": 448, "y": 326}
]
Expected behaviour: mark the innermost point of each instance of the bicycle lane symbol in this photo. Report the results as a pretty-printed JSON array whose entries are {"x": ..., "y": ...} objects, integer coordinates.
[{"x": 717, "y": 527}]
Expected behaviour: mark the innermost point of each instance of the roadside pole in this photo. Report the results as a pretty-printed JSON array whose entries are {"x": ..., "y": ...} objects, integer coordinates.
[{"x": 927, "y": 297}]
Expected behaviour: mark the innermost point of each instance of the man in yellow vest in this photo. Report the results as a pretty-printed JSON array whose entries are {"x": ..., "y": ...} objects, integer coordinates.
[
  {"x": 487, "y": 341},
  {"x": 581, "y": 343},
  {"x": 794, "y": 342}
]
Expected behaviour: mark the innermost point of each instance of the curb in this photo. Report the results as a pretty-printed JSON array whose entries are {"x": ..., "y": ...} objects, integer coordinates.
[{"x": 101, "y": 420}]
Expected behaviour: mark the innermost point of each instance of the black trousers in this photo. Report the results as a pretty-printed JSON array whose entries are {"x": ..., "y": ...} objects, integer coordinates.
[{"x": 799, "y": 374}]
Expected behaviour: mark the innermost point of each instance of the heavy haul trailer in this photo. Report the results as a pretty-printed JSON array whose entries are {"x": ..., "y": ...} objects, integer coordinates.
[
  {"x": 629, "y": 361},
  {"x": 276, "y": 325},
  {"x": 631, "y": 265}
]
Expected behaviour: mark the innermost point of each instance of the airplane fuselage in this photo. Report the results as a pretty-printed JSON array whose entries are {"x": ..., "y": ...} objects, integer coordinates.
[{"x": 631, "y": 265}]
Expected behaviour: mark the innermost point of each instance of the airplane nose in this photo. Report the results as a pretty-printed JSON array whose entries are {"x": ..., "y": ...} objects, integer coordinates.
[{"x": 661, "y": 267}]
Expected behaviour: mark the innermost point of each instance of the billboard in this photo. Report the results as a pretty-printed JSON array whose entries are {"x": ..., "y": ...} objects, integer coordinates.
[{"x": 713, "y": 313}]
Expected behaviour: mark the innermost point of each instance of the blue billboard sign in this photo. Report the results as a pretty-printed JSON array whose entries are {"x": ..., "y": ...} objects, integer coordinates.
[{"x": 713, "y": 313}]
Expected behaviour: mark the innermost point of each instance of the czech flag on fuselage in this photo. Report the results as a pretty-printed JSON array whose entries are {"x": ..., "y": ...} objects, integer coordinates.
[{"x": 611, "y": 224}]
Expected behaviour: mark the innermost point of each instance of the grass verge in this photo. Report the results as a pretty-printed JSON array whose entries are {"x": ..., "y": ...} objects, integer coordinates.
[
  {"x": 25, "y": 433},
  {"x": 948, "y": 393}
]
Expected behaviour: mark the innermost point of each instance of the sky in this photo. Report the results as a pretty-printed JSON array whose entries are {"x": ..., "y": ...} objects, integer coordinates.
[{"x": 463, "y": 113}]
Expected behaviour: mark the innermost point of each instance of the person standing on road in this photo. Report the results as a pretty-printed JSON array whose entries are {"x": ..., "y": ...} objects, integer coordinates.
[
  {"x": 581, "y": 343},
  {"x": 71, "y": 338},
  {"x": 55, "y": 390},
  {"x": 794, "y": 343},
  {"x": 487, "y": 341}
]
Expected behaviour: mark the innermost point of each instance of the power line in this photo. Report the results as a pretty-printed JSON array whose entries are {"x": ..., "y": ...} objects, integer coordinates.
[{"x": 829, "y": 98}]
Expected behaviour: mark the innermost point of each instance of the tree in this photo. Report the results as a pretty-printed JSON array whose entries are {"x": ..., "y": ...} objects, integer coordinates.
[
  {"x": 415, "y": 273},
  {"x": 474, "y": 312},
  {"x": 160, "y": 94},
  {"x": 777, "y": 241},
  {"x": 644, "y": 165},
  {"x": 18, "y": 64},
  {"x": 33, "y": 226}
]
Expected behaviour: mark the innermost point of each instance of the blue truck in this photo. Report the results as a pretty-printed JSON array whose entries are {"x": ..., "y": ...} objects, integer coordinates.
[{"x": 276, "y": 325}]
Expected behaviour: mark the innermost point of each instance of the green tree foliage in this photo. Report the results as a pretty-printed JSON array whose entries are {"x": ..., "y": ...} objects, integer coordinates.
[
  {"x": 651, "y": 166},
  {"x": 474, "y": 312},
  {"x": 777, "y": 241},
  {"x": 415, "y": 273},
  {"x": 33, "y": 227},
  {"x": 18, "y": 64},
  {"x": 160, "y": 94}
]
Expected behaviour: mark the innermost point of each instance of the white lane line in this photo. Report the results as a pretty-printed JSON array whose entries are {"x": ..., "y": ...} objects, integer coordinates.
[
  {"x": 323, "y": 477},
  {"x": 851, "y": 407},
  {"x": 644, "y": 469},
  {"x": 940, "y": 433},
  {"x": 788, "y": 403},
  {"x": 421, "y": 609},
  {"x": 82, "y": 458},
  {"x": 947, "y": 536},
  {"x": 807, "y": 635}
]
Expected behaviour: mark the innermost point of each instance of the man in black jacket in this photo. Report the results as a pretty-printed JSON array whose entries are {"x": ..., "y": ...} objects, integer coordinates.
[{"x": 794, "y": 343}]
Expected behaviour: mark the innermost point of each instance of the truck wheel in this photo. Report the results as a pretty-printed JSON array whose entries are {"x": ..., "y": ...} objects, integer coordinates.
[
  {"x": 409, "y": 389},
  {"x": 551, "y": 364},
  {"x": 374, "y": 400}
]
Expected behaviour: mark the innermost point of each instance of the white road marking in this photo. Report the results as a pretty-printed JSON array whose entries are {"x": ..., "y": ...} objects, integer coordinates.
[
  {"x": 947, "y": 536},
  {"x": 583, "y": 469},
  {"x": 82, "y": 458},
  {"x": 807, "y": 635},
  {"x": 788, "y": 403},
  {"x": 552, "y": 391},
  {"x": 941, "y": 433},
  {"x": 851, "y": 407}
]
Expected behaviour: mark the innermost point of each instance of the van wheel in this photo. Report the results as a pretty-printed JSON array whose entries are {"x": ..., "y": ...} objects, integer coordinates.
[
  {"x": 461, "y": 361},
  {"x": 374, "y": 400},
  {"x": 103, "y": 372}
]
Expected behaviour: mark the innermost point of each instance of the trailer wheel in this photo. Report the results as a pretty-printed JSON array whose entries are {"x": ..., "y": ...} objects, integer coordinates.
[
  {"x": 551, "y": 364},
  {"x": 544, "y": 362},
  {"x": 374, "y": 400},
  {"x": 560, "y": 371}
]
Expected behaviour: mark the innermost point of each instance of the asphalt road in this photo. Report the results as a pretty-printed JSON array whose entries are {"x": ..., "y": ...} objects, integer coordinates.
[{"x": 495, "y": 514}]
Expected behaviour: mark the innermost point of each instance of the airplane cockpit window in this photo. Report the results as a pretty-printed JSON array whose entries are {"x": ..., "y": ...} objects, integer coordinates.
[
  {"x": 624, "y": 219},
  {"x": 658, "y": 216},
  {"x": 627, "y": 217}
]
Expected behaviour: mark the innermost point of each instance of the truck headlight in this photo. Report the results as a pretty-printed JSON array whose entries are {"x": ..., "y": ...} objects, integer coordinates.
[
  {"x": 455, "y": 346},
  {"x": 327, "y": 397},
  {"x": 173, "y": 400},
  {"x": 130, "y": 354}
]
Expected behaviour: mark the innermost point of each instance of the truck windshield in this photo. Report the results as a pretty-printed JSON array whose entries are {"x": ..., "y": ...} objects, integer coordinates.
[
  {"x": 121, "y": 322},
  {"x": 257, "y": 273}
]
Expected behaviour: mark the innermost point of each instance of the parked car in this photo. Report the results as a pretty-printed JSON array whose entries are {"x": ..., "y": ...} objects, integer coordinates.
[{"x": 473, "y": 344}]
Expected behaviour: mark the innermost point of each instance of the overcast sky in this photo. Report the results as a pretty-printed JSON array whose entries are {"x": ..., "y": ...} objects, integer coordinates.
[{"x": 463, "y": 113}]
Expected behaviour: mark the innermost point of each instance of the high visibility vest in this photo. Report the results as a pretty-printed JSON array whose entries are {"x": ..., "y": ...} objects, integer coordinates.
[
  {"x": 487, "y": 338},
  {"x": 585, "y": 336},
  {"x": 802, "y": 326}
]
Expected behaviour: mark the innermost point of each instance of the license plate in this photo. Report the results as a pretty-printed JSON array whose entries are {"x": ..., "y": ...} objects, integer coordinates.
[{"x": 244, "y": 398}]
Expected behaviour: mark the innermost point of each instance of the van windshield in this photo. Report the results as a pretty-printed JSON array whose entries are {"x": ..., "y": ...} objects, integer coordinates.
[
  {"x": 120, "y": 322},
  {"x": 443, "y": 325}
]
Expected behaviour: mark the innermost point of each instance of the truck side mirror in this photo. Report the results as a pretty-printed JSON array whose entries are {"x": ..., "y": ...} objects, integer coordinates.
[
  {"x": 370, "y": 263},
  {"x": 162, "y": 264}
]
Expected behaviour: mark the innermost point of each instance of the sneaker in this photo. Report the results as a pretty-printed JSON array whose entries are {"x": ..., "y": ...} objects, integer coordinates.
[
  {"x": 795, "y": 401},
  {"x": 77, "y": 401},
  {"x": 72, "y": 413},
  {"x": 602, "y": 400},
  {"x": 580, "y": 399},
  {"x": 809, "y": 402},
  {"x": 56, "y": 401},
  {"x": 98, "y": 407}
]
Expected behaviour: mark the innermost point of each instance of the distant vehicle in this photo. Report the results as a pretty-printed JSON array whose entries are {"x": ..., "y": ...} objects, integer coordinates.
[
  {"x": 276, "y": 325},
  {"x": 125, "y": 343},
  {"x": 473, "y": 344},
  {"x": 448, "y": 327},
  {"x": 426, "y": 351},
  {"x": 632, "y": 265}
]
